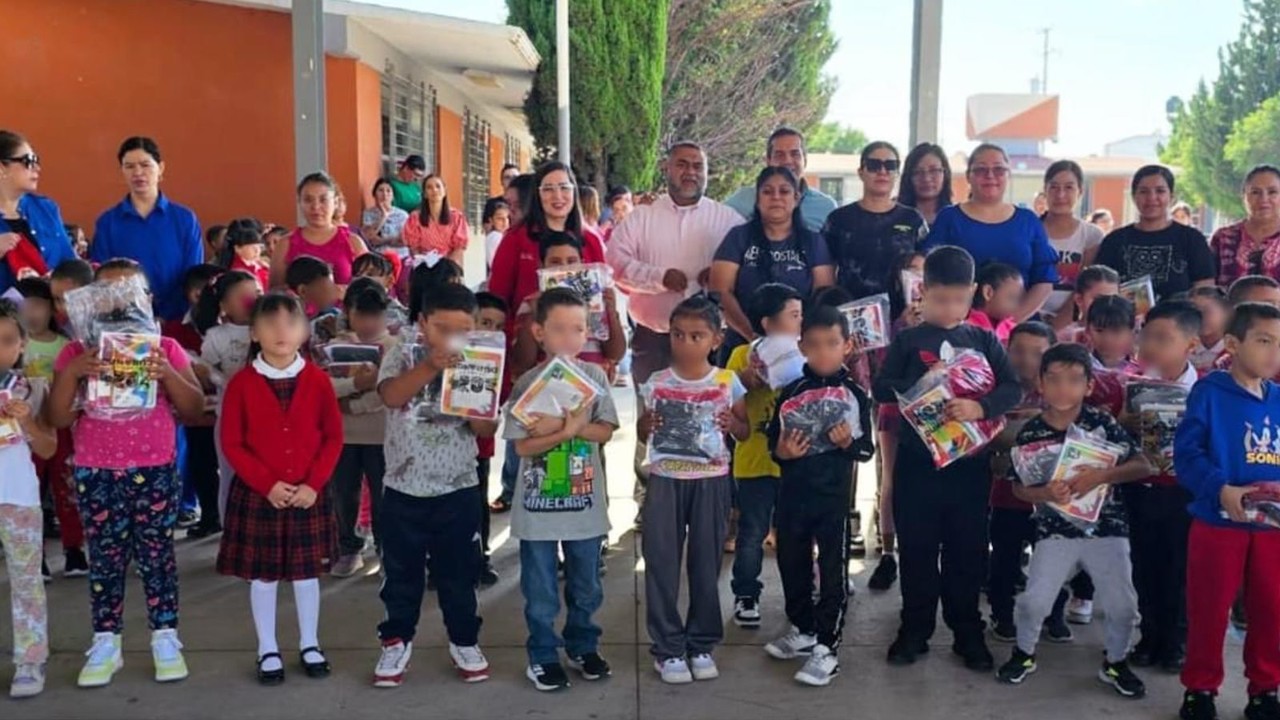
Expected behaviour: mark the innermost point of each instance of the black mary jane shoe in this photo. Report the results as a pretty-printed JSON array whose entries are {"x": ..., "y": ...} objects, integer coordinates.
[
  {"x": 271, "y": 677},
  {"x": 314, "y": 670}
]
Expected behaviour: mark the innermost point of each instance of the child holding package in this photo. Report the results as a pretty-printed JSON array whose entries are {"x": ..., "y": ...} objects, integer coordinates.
[
  {"x": 561, "y": 503},
  {"x": 817, "y": 477},
  {"x": 694, "y": 506},
  {"x": 774, "y": 309},
  {"x": 943, "y": 512},
  {"x": 491, "y": 316},
  {"x": 1103, "y": 550},
  {"x": 1223, "y": 446}
]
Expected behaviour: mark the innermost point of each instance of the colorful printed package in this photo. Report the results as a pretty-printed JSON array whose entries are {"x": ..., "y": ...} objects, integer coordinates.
[
  {"x": 472, "y": 388},
  {"x": 1262, "y": 505},
  {"x": 1160, "y": 407},
  {"x": 1052, "y": 461},
  {"x": 1141, "y": 292},
  {"x": 345, "y": 359},
  {"x": 590, "y": 281},
  {"x": 967, "y": 374},
  {"x": 13, "y": 386},
  {"x": 868, "y": 320},
  {"x": 687, "y": 442},
  {"x": 560, "y": 388},
  {"x": 125, "y": 387}
]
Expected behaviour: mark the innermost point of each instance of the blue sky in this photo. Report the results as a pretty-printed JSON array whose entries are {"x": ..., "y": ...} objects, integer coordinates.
[{"x": 1114, "y": 62}]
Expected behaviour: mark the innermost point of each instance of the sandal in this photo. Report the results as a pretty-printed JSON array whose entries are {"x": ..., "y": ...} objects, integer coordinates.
[
  {"x": 499, "y": 506},
  {"x": 317, "y": 669},
  {"x": 271, "y": 677}
]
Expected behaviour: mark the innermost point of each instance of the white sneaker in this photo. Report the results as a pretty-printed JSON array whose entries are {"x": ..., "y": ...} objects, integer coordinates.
[
  {"x": 104, "y": 661},
  {"x": 347, "y": 565},
  {"x": 746, "y": 612},
  {"x": 674, "y": 671},
  {"x": 28, "y": 681},
  {"x": 392, "y": 664},
  {"x": 166, "y": 651},
  {"x": 821, "y": 666},
  {"x": 703, "y": 667},
  {"x": 471, "y": 663},
  {"x": 792, "y": 645},
  {"x": 1079, "y": 612}
]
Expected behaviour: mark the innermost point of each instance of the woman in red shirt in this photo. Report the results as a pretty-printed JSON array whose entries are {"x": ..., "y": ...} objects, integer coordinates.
[
  {"x": 436, "y": 227},
  {"x": 1252, "y": 246}
]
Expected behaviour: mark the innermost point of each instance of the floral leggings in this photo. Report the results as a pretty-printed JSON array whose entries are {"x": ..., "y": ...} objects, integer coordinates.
[
  {"x": 130, "y": 514},
  {"x": 22, "y": 534}
]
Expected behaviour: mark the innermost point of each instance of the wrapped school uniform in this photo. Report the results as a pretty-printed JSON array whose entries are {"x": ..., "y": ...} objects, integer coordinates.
[
  {"x": 1160, "y": 407},
  {"x": 1050, "y": 461},
  {"x": 116, "y": 318},
  {"x": 868, "y": 320},
  {"x": 777, "y": 360},
  {"x": 471, "y": 389},
  {"x": 688, "y": 441},
  {"x": 590, "y": 281},
  {"x": 815, "y": 411},
  {"x": 966, "y": 374},
  {"x": 560, "y": 389}
]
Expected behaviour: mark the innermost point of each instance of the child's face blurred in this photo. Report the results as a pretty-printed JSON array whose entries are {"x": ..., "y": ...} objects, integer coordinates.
[
  {"x": 36, "y": 313},
  {"x": 376, "y": 273},
  {"x": 11, "y": 344},
  {"x": 825, "y": 349},
  {"x": 1025, "y": 351},
  {"x": 491, "y": 320},
  {"x": 562, "y": 255},
  {"x": 1262, "y": 294},
  {"x": 238, "y": 303},
  {"x": 1258, "y": 354},
  {"x": 1003, "y": 301},
  {"x": 1084, "y": 298},
  {"x": 320, "y": 294},
  {"x": 1112, "y": 344},
  {"x": 501, "y": 220},
  {"x": 113, "y": 275},
  {"x": 280, "y": 334},
  {"x": 787, "y": 322},
  {"x": 947, "y": 305},
  {"x": 692, "y": 340},
  {"x": 60, "y": 287},
  {"x": 1064, "y": 386},
  {"x": 367, "y": 326},
  {"x": 441, "y": 326},
  {"x": 249, "y": 253},
  {"x": 564, "y": 332},
  {"x": 1213, "y": 317},
  {"x": 1164, "y": 346}
]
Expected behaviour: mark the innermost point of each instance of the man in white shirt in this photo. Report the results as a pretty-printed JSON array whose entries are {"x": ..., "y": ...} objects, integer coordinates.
[
  {"x": 662, "y": 254},
  {"x": 785, "y": 148}
]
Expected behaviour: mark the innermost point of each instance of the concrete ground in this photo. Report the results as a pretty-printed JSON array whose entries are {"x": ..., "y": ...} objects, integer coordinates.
[{"x": 221, "y": 646}]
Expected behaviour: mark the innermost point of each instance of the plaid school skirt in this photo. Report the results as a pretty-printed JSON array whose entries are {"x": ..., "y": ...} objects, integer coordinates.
[{"x": 260, "y": 542}]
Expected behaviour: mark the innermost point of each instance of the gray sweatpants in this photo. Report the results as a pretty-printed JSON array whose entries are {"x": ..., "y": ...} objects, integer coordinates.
[
  {"x": 1054, "y": 561},
  {"x": 650, "y": 352},
  {"x": 676, "y": 510}
]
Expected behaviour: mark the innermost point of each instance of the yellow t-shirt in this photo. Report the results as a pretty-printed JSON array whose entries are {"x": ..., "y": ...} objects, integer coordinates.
[{"x": 751, "y": 457}]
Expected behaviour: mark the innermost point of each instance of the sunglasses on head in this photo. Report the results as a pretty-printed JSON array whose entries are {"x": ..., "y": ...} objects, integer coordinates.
[
  {"x": 28, "y": 161},
  {"x": 875, "y": 165}
]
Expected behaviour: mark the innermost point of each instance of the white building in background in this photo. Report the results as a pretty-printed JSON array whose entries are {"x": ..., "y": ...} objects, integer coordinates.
[{"x": 1146, "y": 147}]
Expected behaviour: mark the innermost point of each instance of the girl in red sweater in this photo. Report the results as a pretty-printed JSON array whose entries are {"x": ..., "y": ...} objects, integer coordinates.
[{"x": 281, "y": 433}]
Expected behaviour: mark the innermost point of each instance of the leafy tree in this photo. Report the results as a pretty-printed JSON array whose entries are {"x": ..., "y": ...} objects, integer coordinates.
[
  {"x": 1255, "y": 138},
  {"x": 832, "y": 137}
]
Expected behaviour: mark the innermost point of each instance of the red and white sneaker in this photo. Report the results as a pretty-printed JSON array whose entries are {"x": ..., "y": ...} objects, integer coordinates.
[
  {"x": 394, "y": 661},
  {"x": 471, "y": 663}
]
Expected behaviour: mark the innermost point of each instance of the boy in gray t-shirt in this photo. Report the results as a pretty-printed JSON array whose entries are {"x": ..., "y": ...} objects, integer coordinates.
[{"x": 560, "y": 502}]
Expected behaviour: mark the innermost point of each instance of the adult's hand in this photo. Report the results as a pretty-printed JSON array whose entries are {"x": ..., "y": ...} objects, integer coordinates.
[
  {"x": 675, "y": 280},
  {"x": 8, "y": 241}
]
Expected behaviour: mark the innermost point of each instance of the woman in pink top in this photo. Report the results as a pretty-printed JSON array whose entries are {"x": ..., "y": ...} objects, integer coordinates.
[
  {"x": 436, "y": 227},
  {"x": 321, "y": 237}
]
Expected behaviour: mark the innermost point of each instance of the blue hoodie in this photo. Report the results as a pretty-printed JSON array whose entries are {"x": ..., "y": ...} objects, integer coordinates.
[{"x": 1228, "y": 437}]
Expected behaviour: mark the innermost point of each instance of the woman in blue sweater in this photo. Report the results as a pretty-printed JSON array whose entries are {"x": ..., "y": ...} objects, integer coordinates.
[
  {"x": 32, "y": 238},
  {"x": 993, "y": 230}
]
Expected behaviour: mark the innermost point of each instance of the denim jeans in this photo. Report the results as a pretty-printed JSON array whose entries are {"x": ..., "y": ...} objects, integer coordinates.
[
  {"x": 583, "y": 595},
  {"x": 510, "y": 470},
  {"x": 756, "y": 498}
]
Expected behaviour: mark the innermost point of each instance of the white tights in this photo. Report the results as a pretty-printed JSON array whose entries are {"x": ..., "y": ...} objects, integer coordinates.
[{"x": 262, "y": 599}]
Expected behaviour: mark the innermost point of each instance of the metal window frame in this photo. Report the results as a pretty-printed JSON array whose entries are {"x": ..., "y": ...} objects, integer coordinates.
[
  {"x": 476, "y": 171},
  {"x": 404, "y": 134}
]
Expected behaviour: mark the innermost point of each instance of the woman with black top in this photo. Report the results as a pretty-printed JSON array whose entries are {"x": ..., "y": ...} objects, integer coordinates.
[
  {"x": 926, "y": 181},
  {"x": 773, "y": 246},
  {"x": 33, "y": 239},
  {"x": 1176, "y": 256}
]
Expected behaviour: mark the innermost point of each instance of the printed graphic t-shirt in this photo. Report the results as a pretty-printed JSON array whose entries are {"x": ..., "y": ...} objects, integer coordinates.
[
  {"x": 1175, "y": 257},
  {"x": 1071, "y": 250}
]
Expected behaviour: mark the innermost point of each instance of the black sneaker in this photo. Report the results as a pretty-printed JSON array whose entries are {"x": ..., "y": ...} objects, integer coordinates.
[
  {"x": 188, "y": 518},
  {"x": 590, "y": 666},
  {"x": 1020, "y": 665},
  {"x": 547, "y": 677},
  {"x": 1198, "y": 706},
  {"x": 204, "y": 530},
  {"x": 1172, "y": 661},
  {"x": 1143, "y": 655},
  {"x": 885, "y": 575},
  {"x": 975, "y": 655},
  {"x": 1004, "y": 631},
  {"x": 1121, "y": 678},
  {"x": 1056, "y": 630},
  {"x": 906, "y": 650},
  {"x": 76, "y": 564},
  {"x": 488, "y": 576},
  {"x": 1263, "y": 707}
]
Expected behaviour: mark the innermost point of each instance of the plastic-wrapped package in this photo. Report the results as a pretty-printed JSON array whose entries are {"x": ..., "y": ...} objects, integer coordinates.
[
  {"x": 1160, "y": 407},
  {"x": 472, "y": 388},
  {"x": 425, "y": 406},
  {"x": 1108, "y": 391},
  {"x": 966, "y": 374},
  {"x": 1084, "y": 451},
  {"x": 590, "y": 281},
  {"x": 814, "y": 412},
  {"x": 868, "y": 320},
  {"x": 777, "y": 360},
  {"x": 344, "y": 359},
  {"x": 688, "y": 442},
  {"x": 560, "y": 388},
  {"x": 1141, "y": 292},
  {"x": 13, "y": 386},
  {"x": 1262, "y": 504},
  {"x": 120, "y": 306},
  {"x": 125, "y": 387}
]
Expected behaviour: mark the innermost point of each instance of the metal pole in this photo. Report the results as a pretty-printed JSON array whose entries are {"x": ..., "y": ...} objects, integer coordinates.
[
  {"x": 562, "y": 79},
  {"x": 309, "y": 141},
  {"x": 1044, "y": 72},
  {"x": 926, "y": 63}
]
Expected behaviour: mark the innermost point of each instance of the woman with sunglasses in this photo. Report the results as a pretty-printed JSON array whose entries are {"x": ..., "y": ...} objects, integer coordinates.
[
  {"x": 926, "y": 181},
  {"x": 1252, "y": 246},
  {"x": 994, "y": 230},
  {"x": 1176, "y": 256},
  {"x": 435, "y": 227},
  {"x": 33, "y": 239}
]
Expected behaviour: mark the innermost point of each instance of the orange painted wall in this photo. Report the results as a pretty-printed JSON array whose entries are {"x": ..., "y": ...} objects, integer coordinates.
[
  {"x": 449, "y": 149},
  {"x": 211, "y": 83},
  {"x": 354, "y": 128},
  {"x": 497, "y": 158},
  {"x": 1111, "y": 193}
]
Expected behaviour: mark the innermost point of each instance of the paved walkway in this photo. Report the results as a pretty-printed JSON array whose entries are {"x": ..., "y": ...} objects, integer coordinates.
[{"x": 220, "y": 646}]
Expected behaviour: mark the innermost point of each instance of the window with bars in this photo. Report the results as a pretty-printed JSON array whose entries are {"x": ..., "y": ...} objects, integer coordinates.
[
  {"x": 511, "y": 147},
  {"x": 408, "y": 121},
  {"x": 476, "y": 171}
]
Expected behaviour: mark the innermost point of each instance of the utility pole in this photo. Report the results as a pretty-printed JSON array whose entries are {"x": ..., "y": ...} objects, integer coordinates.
[
  {"x": 1044, "y": 72},
  {"x": 564, "y": 150}
]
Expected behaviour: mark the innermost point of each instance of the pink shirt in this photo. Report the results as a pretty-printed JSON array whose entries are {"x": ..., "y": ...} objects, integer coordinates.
[
  {"x": 338, "y": 252},
  {"x": 139, "y": 442},
  {"x": 444, "y": 239}
]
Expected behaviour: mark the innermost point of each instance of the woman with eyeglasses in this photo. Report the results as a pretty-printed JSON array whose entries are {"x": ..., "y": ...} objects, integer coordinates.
[
  {"x": 553, "y": 206},
  {"x": 383, "y": 223},
  {"x": 992, "y": 229},
  {"x": 436, "y": 227},
  {"x": 1176, "y": 256},
  {"x": 1252, "y": 246},
  {"x": 320, "y": 237},
  {"x": 926, "y": 181},
  {"x": 1075, "y": 240},
  {"x": 774, "y": 246},
  {"x": 33, "y": 239}
]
